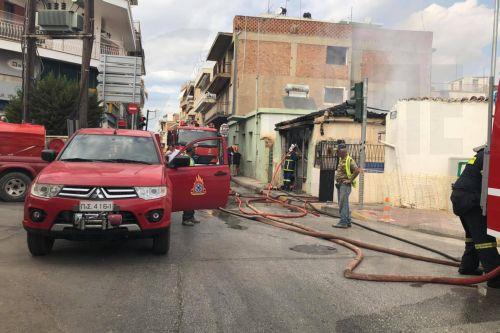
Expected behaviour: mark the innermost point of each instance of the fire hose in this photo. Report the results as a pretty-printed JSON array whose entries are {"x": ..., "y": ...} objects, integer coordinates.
[{"x": 353, "y": 245}]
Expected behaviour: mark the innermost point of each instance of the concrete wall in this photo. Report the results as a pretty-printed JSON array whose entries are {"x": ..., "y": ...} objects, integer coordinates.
[
  {"x": 257, "y": 139},
  {"x": 427, "y": 140}
]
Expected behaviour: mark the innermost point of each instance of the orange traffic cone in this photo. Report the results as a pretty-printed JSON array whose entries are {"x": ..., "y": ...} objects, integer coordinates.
[{"x": 386, "y": 214}]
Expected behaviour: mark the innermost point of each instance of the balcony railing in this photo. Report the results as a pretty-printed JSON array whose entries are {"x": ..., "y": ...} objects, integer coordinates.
[{"x": 12, "y": 29}]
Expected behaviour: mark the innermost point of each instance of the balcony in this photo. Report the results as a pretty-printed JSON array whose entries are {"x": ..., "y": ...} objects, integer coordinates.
[
  {"x": 11, "y": 28},
  {"x": 205, "y": 103},
  {"x": 220, "y": 79}
]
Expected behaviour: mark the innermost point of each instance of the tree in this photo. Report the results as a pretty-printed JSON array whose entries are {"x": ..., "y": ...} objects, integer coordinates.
[{"x": 53, "y": 101}]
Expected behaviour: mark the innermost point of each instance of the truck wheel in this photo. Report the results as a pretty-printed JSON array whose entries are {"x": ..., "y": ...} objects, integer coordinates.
[
  {"x": 161, "y": 242},
  {"x": 39, "y": 245},
  {"x": 14, "y": 186}
]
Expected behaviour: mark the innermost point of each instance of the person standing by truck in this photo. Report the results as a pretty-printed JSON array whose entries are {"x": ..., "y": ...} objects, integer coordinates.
[
  {"x": 188, "y": 218},
  {"x": 466, "y": 200}
]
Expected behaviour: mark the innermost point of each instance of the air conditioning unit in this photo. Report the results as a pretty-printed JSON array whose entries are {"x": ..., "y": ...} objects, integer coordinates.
[{"x": 59, "y": 21}]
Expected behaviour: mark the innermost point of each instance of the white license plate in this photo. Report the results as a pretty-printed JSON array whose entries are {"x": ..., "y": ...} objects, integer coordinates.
[{"x": 96, "y": 206}]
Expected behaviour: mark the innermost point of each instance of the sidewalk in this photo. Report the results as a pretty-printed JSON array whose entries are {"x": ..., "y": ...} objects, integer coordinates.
[
  {"x": 440, "y": 223},
  {"x": 434, "y": 222}
]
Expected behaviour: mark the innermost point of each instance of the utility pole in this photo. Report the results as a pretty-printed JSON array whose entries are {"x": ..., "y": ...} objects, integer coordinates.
[
  {"x": 29, "y": 56},
  {"x": 362, "y": 154},
  {"x": 487, "y": 151},
  {"x": 88, "y": 42}
]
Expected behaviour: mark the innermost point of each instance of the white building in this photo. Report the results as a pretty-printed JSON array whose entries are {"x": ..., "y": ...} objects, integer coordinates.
[
  {"x": 428, "y": 143},
  {"x": 116, "y": 33}
]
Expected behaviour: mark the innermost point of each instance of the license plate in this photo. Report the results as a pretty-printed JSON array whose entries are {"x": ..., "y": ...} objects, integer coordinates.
[{"x": 96, "y": 206}]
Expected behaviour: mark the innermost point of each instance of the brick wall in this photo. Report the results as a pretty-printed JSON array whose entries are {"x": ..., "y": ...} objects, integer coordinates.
[
  {"x": 290, "y": 26},
  {"x": 311, "y": 63},
  {"x": 266, "y": 58}
]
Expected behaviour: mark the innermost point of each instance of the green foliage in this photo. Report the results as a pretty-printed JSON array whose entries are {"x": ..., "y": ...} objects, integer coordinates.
[{"x": 53, "y": 101}]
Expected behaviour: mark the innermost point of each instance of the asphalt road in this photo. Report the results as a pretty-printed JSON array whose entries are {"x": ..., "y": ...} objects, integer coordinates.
[{"x": 229, "y": 275}]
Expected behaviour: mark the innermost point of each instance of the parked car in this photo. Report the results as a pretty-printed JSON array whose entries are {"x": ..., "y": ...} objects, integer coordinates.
[{"x": 109, "y": 183}]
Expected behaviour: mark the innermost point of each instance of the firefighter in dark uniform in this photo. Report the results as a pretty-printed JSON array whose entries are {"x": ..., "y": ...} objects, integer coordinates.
[
  {"x": 289, "y": 169},
  {"x": 466, "y": 199}
]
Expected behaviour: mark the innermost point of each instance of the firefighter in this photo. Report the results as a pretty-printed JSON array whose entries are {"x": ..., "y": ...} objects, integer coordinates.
[
  {"x": 466, "y": 200},
  {"x": 188, "y": 218},
  {"x": 289, "y": 168}
]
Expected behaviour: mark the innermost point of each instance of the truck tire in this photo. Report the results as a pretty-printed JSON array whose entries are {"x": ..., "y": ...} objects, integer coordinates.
[
  {"x": 39, "y": 245},
  {"x": 14, "y": 186},
  {"x": 161, "y": 242}
]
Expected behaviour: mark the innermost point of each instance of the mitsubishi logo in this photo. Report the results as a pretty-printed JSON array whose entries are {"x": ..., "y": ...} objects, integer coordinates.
[{"x": 98, "y": 194}]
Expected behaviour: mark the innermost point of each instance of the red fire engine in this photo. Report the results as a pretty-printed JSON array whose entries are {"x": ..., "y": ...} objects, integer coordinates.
[{"x": 181, "y": 134}]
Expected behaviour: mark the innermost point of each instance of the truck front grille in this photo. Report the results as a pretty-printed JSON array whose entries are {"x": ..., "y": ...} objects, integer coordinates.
[{"x": 98, "y": 193}]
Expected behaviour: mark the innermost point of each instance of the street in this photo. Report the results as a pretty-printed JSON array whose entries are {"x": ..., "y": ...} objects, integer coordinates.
[{"x": 231, "y": 275}]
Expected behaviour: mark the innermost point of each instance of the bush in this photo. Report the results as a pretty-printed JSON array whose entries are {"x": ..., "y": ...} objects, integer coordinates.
[{"x": 54, "y": 99}]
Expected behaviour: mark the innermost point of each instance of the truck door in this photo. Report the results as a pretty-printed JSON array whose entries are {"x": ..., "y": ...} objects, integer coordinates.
[
  {"x": 494, "y": 178},
  {"x": 201, "y": 186}
]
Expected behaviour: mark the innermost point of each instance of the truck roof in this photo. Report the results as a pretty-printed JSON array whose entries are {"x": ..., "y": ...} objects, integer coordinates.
[
  {"x": 197, "y": 128},
  {"x": 111, "y": 131}
]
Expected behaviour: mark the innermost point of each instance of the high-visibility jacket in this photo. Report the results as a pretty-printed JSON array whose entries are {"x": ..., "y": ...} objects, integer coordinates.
[{"x": 348, "y": 172}]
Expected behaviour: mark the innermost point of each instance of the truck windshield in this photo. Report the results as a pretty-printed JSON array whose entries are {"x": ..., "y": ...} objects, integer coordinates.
[
  {"x": 111, "y": 148},
  {"x": 186, "y": 136}
]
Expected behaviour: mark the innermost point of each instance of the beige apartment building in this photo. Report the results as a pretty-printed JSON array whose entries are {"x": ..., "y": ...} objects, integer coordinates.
[{"x": 275, "y": 68}]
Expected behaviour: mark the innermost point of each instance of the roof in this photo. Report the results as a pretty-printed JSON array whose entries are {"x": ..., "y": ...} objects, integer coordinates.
[
  {"x": 22, "y": 128},
  {"x": 220, "y": 45},
  {"x": 448, "y": 100},
  {"x": 334, "y": 111},
  {"x": 111, "y": 131}
]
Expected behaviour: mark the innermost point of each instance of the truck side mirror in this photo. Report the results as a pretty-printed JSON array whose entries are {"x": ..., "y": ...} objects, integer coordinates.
[
  {"x": 48, "y": 155},
  {"x": 180, "y": 161}
]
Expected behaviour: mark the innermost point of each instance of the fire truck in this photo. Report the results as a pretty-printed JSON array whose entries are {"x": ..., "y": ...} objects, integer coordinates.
[
  {"x": 181, "y": 134},
  {"x": 493, "y": 180},
  {"x": 20, "y": 161},
  {"x": 114, "y": 183}
]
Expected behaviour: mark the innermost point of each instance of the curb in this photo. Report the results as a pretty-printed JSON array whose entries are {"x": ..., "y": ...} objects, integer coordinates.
[{"x": 253, "y": 187}]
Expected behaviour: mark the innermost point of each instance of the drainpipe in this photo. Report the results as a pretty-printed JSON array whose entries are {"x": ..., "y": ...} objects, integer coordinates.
[{"x": 235, "y": 72}]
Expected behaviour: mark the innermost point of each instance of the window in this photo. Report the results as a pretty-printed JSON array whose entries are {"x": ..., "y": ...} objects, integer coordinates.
[
  {"x": 334, "y": 95},
  {"x": 336, "y": 55}
]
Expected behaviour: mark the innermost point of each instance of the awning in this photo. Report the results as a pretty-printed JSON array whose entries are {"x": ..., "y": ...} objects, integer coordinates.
[{"x": 220, "y": 45}]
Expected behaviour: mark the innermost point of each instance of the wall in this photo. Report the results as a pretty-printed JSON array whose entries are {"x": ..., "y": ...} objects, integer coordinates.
[
  {"x": 428, "y": 138},
  {"x": 274, "y": 52},
  {"x": 251, "y": 135}
]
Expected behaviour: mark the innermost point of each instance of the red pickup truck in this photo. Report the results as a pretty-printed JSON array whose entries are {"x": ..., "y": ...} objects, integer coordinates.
[
  {"x": 20, "y": 162},
  {"x": 109, "y": 183}
]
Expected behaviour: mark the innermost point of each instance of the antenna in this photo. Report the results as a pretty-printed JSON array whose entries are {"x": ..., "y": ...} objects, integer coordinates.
[
  {"x": 269, "y": 6},
  {"x": 351, "y": 13}
]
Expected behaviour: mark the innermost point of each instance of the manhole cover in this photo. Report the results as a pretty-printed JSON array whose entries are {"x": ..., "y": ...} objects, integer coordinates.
[{"x": 314, "y": 249}]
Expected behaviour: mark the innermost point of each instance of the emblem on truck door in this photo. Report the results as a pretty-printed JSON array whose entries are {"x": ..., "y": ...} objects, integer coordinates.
[{"x": 198, "y": 186}]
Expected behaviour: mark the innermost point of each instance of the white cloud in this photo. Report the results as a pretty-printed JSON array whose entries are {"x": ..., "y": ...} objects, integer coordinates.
[{"x": 461, "y": 31}]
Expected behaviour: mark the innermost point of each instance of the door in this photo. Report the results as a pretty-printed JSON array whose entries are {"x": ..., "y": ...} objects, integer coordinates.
[
  {"x": 494, "y": 178},
  {"x": 201, "y": 186}
]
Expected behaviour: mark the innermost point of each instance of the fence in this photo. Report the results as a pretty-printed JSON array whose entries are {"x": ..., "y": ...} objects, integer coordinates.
[{"x": 326, "y": 159}]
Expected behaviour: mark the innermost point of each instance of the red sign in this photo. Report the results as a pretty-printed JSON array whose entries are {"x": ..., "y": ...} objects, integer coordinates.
[
  {"x": 133, "y": 108},
  {"x": 122, "y": 123}
]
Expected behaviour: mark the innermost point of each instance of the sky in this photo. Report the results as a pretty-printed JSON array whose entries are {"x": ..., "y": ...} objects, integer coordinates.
[{"x": 178, "y": 34}]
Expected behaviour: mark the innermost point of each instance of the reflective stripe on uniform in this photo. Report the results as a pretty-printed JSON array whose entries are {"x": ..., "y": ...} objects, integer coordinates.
[
  {"x": 484, "y": 246},
  {"x": 472, "y": 161},
  {"x": 469, "y": 240}
]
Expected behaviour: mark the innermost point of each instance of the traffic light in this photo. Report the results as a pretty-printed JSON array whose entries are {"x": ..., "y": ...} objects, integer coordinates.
[
  {"x": 357, "y": 102},
  {"x": 141, "y": 123}
]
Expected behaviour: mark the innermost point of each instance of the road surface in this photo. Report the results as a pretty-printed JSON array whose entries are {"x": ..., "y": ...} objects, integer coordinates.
[{"x": 229, "y": 275}]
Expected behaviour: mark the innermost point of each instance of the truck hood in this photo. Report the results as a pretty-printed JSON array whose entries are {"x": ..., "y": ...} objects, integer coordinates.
[{"x": 102, "y": 174}]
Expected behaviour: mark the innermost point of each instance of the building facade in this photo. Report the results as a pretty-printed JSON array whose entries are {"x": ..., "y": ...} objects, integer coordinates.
[
  {"x": 115, "y": 31},
  {"x": 270, "y": 69}
]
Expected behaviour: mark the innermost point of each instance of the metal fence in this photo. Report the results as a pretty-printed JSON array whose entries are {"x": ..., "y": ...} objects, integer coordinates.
[{"x": 326, "y": 156}]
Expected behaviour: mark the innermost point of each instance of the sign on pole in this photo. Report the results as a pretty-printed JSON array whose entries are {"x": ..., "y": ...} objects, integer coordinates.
[
  {"x": 133, "y": 108},
  {"x": 120, "y": 79}
]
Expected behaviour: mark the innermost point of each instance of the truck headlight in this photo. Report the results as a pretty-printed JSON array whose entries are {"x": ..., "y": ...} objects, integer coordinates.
[
  {"x": 150, "y": 193},
  {"x": 45, "y": 190}
]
